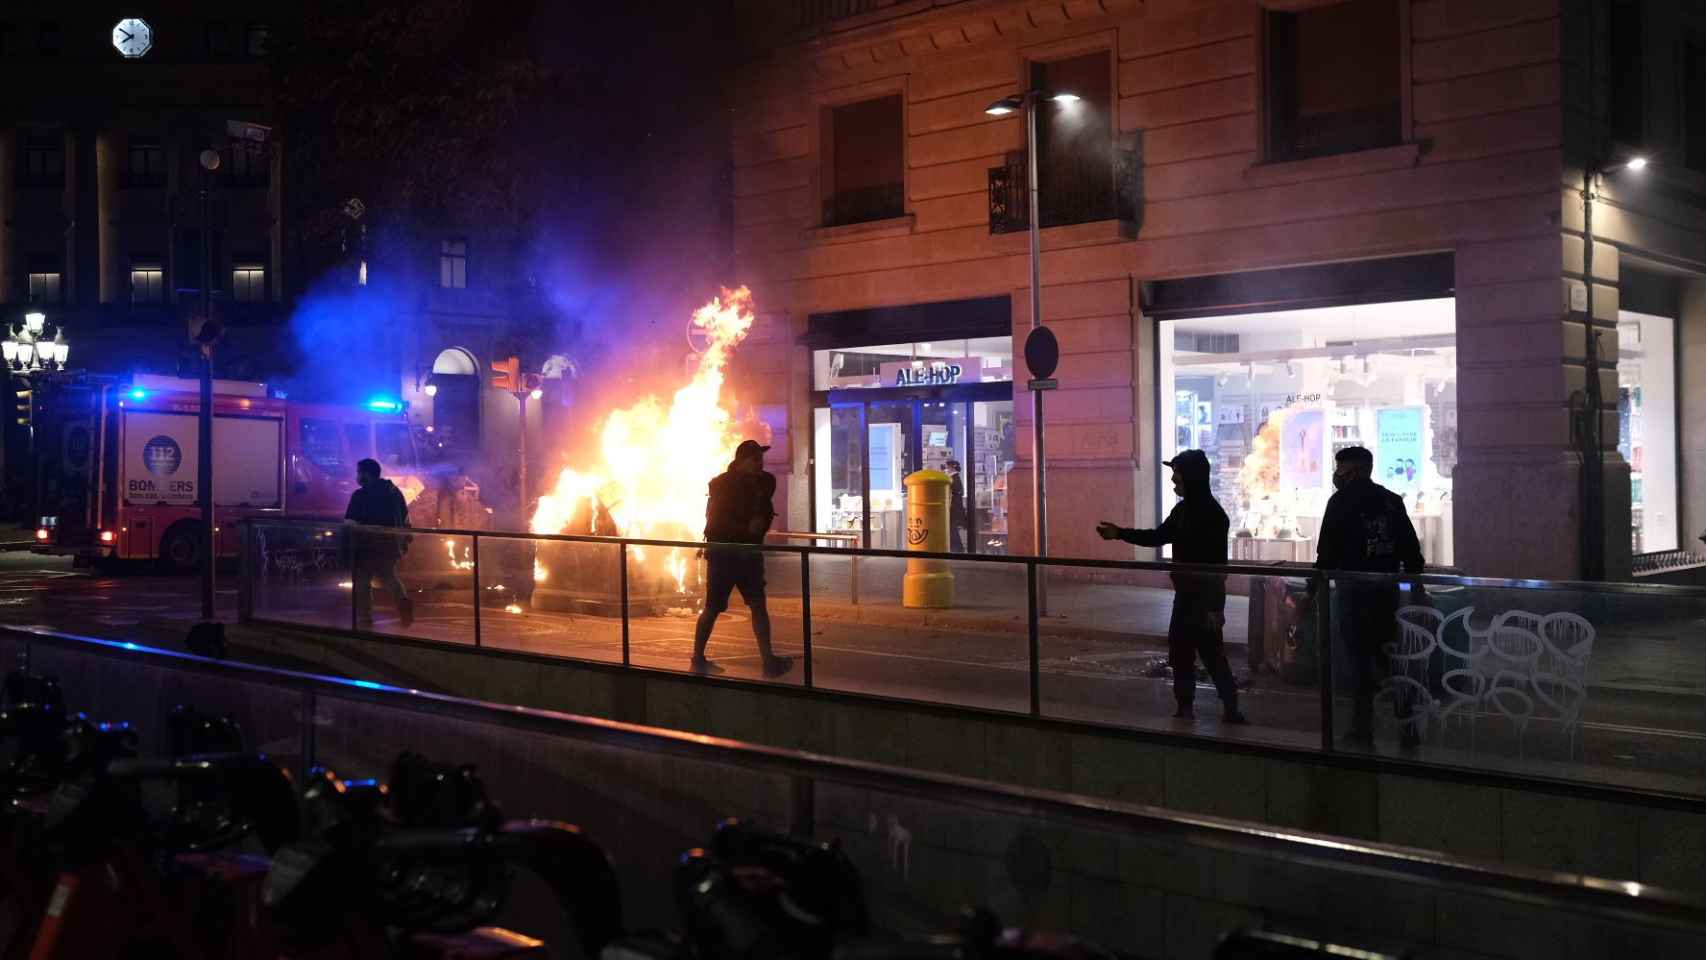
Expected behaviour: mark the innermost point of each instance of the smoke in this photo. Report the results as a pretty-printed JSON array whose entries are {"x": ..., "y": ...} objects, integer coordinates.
[{"x": 348, "y": 341}]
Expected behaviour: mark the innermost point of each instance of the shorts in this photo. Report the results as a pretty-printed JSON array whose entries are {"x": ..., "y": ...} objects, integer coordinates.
[{"x": 727, "y": 569}]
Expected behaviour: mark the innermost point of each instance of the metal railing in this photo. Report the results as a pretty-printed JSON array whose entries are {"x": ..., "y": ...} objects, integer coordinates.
[
  {"x": 1083, "y": 193},
  {"x": 1567, "y": 682},
  {"x": 943, "y": 840}
]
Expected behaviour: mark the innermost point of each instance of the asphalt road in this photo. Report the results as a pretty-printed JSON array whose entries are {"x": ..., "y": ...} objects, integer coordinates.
[{"x": 1636, "y": 733}]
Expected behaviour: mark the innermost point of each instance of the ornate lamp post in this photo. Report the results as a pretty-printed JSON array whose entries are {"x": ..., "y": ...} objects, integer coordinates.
[{"x": 34, "y": 345}]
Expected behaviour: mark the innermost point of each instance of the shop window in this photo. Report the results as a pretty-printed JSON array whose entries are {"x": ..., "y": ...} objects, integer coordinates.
[
  {"x": 1333, "y": 79},
  {"x": 322, "y": 445},
  {"x": 147, "y": 163},
  {"x": 1075, "y": 141},
  {"x": 147, "y": 283},
  {"x": 258, "y": 40},
  {"x": 863, "y": 154},
  {"x": 1271, "y": 397},
  {"x": 44, "y": 286},
  {"x": 926, "y": 364},
  {"x": 248, "y": 283},
  {"x": 43, "y": 162},
  {"x": 453, "y": 264},
  {"x": 1646, "y": 420}
]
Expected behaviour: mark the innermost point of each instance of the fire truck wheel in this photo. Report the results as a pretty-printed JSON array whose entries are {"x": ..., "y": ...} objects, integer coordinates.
[{"x": 180, "y": 548}]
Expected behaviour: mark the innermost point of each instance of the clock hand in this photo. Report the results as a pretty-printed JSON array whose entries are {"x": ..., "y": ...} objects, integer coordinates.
[{"x": 127, "y": 36}]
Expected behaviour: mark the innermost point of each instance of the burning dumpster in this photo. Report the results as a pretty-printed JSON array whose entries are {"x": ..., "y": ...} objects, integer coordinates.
[{"x": 645, "y": 477}]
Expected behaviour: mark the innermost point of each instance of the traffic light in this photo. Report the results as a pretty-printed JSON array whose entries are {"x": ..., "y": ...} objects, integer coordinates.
[
  {"x": 19, "y": 401},
  {"x": 506, "y": 374},
  {"x": 204, "y": 331}
]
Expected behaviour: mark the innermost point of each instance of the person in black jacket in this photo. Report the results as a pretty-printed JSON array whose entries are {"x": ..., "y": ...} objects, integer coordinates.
[
  {"x": 739, "y": 511},
  {"x": 1365, "y": 528},
  {"x": 956, "y": 508},
  {"x": 376, "y": 502},
  {"x": 1197, "y": 530}
]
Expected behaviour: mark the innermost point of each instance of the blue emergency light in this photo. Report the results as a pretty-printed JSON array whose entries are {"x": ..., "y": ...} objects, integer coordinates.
[
  {"x": 385, "y": 405},
  {"x": 138, "y": 394}
]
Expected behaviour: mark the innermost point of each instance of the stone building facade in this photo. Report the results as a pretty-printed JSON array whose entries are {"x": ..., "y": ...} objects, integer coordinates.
[{"x": 1270, "y": 229}]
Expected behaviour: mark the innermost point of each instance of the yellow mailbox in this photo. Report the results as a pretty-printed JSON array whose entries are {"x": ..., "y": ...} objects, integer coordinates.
[{"x": 928, "y": 583}]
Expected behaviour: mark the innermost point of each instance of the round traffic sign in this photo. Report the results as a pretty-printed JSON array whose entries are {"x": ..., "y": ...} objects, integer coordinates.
[{"x": 1042, "y": 353}]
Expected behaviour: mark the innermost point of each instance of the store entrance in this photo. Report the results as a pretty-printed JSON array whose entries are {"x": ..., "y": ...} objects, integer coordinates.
[{"x": 865, "y": 446}]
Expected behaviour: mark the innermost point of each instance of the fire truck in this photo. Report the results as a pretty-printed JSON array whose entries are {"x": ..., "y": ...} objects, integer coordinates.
[{"x": 117, "y": 462}]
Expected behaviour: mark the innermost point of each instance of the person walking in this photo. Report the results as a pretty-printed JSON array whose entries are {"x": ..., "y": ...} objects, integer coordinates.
[
  {"x": 376, "y": 502},
  {"x": 1365, "y": 528},
  {"x": 956, "y": 508},
  {"x": 738, "y": 515},
  {"x": 1197, "y": 529}
]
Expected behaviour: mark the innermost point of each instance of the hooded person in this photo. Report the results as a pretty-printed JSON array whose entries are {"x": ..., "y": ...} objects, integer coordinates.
[{"x": 1197, "y": 529}]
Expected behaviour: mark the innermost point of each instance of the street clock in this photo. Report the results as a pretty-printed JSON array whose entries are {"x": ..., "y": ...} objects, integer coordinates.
[{"x": 133, "y": 37}]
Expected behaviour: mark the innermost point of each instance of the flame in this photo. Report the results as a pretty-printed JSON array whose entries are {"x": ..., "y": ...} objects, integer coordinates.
[
  {"x": 466, "y": 563},
  {"x": 1263, "y": 503},
  {"x": 513, "y": 608},
  {"x": 656, "y": 460},
  {"x": 409, "y": 485},
  {"x": 1260, "y": 475},
  {"x": 539, "y": 572}
]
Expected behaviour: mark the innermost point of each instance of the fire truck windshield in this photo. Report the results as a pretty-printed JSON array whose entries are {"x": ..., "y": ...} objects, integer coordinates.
[{"x": 395, "y": 445}]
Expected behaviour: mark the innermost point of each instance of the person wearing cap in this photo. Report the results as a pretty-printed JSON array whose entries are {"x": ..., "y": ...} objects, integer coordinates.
[
  {"x": 1197, "y": 529},
  {"x": 1366, "y": 528},
  {"x": 739, "y": 511}
]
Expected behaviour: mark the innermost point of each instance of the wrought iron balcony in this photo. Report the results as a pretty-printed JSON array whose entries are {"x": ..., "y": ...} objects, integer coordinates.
[
  {"x": 1084, "y": 191},
  {"x": 863, "y": 205}
]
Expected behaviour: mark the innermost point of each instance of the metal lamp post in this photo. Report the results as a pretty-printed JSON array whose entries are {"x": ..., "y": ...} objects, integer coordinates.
[
  {"x": 29, "y": 349},
  {"x": 1006, "y": 106},
  {"x": 204, "y": 426}
]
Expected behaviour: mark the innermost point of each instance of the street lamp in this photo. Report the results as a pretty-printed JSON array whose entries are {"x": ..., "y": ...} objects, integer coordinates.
[
  {"x": 28, "y": 349},
  {"x": 206, "y": 336},
  {"x": 1007, "y": 106}
]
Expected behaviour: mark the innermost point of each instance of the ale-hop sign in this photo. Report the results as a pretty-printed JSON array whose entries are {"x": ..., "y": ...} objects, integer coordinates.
[{"x": 932, "y": 373}]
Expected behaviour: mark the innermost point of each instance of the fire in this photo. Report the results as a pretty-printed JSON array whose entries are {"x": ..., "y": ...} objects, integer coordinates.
[
  {"x": 409, "y": 485},
  {"x": 655, "y": 460},
  {"x": 539, "y": 572},
  {"x": 1259, "y": 477},
  {"x": 466, "y": 562}
]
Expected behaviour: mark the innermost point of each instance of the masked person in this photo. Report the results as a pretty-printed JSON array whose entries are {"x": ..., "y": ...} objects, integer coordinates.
[
  {"x": 739, "y": 512},
  {"x": 1197, "y": 529},
  {"x": 376, "y": 502},
  {"x": 1366, "y": 529}
]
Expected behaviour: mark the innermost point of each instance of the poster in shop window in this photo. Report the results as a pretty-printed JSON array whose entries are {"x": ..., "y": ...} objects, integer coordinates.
[
  {"x": 1301, "y": 450},
  {"x": 1398, "y": 454}
]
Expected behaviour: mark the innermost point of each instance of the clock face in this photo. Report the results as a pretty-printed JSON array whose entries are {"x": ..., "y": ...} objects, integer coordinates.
[{"x": 133, "y": 37}]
